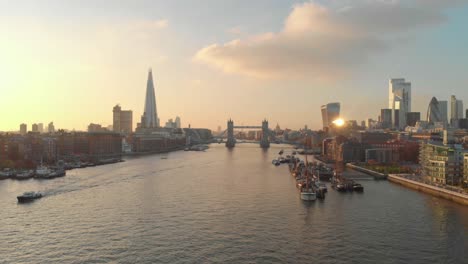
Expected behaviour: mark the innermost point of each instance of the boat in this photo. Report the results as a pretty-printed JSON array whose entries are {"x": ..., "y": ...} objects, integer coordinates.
[
  {"x": 56, "y": 173},
  {"x": 28, "y": 196},
  {"x": 322, "y": 186},
  {"x": 275, "y": 162},
  {"x": 25, "y": 175},
  {"x": 43, "y": 172},
  {"x": 281, "y": 152},
  {"x": 307, "y": 190},
  {"x": 5, "y": 174},
  {"x": 358, "y": 187}
]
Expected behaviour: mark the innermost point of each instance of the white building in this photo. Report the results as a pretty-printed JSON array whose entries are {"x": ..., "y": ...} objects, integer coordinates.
[
  {"x": 177, "y": 122},
  {"x": 399, "y": 101}
]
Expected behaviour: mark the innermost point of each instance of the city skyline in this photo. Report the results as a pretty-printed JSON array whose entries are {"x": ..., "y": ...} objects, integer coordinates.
[{"x": 196, "y": 76}]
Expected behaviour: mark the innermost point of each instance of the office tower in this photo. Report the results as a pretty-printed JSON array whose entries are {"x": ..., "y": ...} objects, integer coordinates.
[
  {"x": 433, "y": 112},
  {"x": 35, "y": 128},
  {"x": 122, "y": 120},
  {"x": 51, "y": 127},
  {"x": 456, "y": 110},
  {"x": 443, "y": 108},
  {"x": 399, "y": 101},
  {"x": 330, "y": 113},
  {"x": 40, "y": 127},
  {"x": 386, "y": 118},
  {"x": 412, "y": 118},
  {"x": 150, "y": 116},
  {"x": 177, "y": 122},
  {"x": 23, "y": 129}
]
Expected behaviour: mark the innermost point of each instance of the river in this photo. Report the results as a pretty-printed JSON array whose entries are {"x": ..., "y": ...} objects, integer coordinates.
[{"x": 222, "y": 206}]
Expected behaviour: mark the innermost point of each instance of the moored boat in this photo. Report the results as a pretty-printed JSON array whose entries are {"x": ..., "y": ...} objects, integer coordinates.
[
  {"x": 24, "y": 175},
  {"x": 308, "y": 192},
  {"x": 43, "y": 172},
  {"x": 5, "y": 174},
  {"x": 358, "y": 187}
]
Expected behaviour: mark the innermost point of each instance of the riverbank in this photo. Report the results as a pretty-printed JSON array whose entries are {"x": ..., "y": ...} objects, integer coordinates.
[
  {"x": 377, "y": 175},
  {"x": 433, "y": 190},
  {"x": 132, "y": 154}
]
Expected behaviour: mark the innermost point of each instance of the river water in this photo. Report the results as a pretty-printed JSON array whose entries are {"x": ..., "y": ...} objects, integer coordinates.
[{"x": 222, "y": 206}]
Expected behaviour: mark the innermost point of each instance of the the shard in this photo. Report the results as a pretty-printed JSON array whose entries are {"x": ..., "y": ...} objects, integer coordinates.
[{"x": 150, "y": 115}]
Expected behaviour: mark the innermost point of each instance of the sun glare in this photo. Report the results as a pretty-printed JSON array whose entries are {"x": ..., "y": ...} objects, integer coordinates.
[{"x": 339, "y": 122}]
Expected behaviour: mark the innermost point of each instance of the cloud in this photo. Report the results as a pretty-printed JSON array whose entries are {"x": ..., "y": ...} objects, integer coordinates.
[{"x": 325, "y": 42}]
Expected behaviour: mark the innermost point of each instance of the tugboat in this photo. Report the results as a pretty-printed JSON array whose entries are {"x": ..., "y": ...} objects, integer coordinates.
[{"x": 29, "y": 196}]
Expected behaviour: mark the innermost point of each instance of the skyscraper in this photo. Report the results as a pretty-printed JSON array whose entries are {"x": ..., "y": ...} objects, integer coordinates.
[
  {"x": 434, "y": 112},
  {"x": 399, "y": 101},
  {"x": 150, "y": 115},
  {"x": 177, "y": 122},
  {"x": 330, "y": 112},
  {"x": 51, "y": 127},
  {"x": 456, "y": 110},
  {"x": 23, "y": 129},
  {"x": 35, "y": 128},
  {"x": 40, "y": 127},
  {"x": 386, "y": 118},
  {"x": 443, "y": 108}
]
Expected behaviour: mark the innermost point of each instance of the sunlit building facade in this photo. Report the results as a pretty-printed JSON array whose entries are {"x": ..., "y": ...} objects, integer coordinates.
[
  {"x": 399, "y": 101},
  {"x": 442, "y": 163},
  {"x": 330, "y": 113}
]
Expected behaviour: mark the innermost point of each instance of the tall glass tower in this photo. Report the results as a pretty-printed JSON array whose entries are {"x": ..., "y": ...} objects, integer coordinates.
[{"x": 150, "y": 115}]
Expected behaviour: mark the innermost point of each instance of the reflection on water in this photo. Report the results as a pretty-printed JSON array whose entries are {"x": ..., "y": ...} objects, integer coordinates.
[{"x": 222, "y": 206}]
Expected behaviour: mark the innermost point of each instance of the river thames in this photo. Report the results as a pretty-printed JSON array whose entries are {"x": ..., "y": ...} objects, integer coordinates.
[{"x": 222, "y": 206}]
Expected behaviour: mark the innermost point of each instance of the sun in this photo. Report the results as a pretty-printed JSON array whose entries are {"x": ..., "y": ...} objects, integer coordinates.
[{"x": 339, "y": 122}]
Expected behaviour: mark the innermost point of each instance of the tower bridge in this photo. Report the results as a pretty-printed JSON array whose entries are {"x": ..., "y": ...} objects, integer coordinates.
[{"x": 231, "y": 140}]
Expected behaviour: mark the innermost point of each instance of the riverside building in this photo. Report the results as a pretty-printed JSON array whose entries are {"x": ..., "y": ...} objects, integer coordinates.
[{"x": 442, "y": 162}]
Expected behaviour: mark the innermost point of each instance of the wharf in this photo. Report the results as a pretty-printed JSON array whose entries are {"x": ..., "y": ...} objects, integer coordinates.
[
  {"x": 433, "y": 190},
  {"x": 377, "y": 175}
]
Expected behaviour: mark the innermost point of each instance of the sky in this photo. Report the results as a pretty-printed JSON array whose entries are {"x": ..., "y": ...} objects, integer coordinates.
[{"x": 71, "y": 61}]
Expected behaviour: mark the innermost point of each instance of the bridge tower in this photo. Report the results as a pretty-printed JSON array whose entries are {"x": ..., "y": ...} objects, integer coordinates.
[
  {"x": 265, "y": 143},
  {"x": 231, "y": 141}
]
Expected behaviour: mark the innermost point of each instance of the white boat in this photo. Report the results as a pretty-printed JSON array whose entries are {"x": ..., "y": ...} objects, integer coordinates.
[{"x": 43, "y": 172}]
